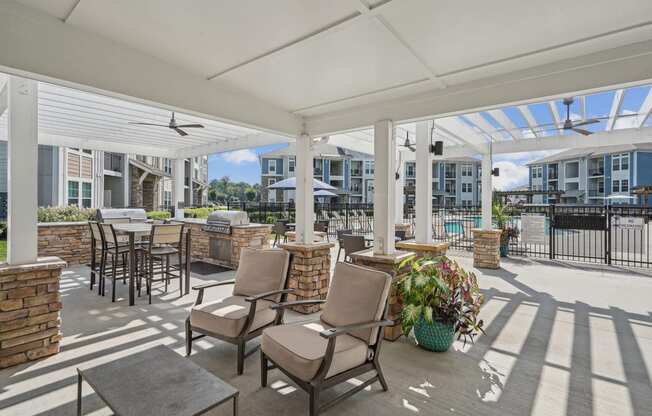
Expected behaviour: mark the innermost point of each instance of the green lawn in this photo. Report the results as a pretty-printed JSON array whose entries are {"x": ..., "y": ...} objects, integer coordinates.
[{"x": 3, "y": 250}]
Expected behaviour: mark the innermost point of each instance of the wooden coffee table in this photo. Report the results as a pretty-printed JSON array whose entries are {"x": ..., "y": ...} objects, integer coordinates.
[{"x": 156, "y": 382}]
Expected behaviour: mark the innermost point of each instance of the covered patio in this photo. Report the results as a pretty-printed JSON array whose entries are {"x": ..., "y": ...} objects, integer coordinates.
[
  {"x": 557, "y": 343},
  {"x": 355, "y": 74}
]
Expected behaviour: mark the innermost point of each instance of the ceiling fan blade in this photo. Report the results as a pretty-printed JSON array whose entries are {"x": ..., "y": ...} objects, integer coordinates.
[
  {"x": 181, "y": 132},
  {"x": 585, "y": 122},
  {"x": 582, "y": 131},
  {"x": 412, "y": 148},
  {"x": 186, "y": 126},
  {"x": 149, "y": 124}
]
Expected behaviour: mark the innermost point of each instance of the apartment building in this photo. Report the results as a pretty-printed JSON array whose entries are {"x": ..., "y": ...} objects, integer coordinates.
[
  {"x": 455, "y": 182},
  {"x": 96, "y": 179},
  {"x": 588, "y": 176}
]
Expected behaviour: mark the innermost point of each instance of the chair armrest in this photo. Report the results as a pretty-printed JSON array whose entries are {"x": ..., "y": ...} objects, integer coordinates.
[
  {"x": 266, "y": 294},
  {"x": 340, "y": 330},
  {"x": 213, "y": 284},
  {"x": 296, "y": 303}
]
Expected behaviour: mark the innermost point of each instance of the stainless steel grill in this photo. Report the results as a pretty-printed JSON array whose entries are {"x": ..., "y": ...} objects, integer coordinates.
[
  {"x": 134, "y": 214},
  {"x": 222, "y": 221}
]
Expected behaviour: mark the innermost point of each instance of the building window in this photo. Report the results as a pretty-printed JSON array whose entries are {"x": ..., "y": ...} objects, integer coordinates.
[
  {"x": 271, "y": 182},
  {"x": 409, "y": 170},
  {"x": 291, "y": 163},
  {"x": 615, "y": 186},
  {"x": 167, "y": 199},
  {"x": 167, "y": 166},
  {"x": 624, "y": 162},
  {"x": 537, "y": 172},
  {"x": 73, "y": 193},
  {"x": 467, "y": 170},
  {"x": 271, "y": 167},
  {"x": 87, "y": 194},
  {"x": 624, "y": 185}
]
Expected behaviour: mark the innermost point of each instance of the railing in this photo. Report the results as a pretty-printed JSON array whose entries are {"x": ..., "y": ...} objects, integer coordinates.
[
  {"x": 596, "y": 193},
  {"x": 596, "y": 171},
  {"x": 356, "y": 172}
]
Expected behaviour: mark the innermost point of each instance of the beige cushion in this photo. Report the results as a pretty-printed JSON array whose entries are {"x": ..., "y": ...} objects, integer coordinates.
[
  {"x": 299, "y": 349},
  {"x": 261, "y": 271},
  {"x": 228, "y": 316},
  {"x": 356, "y": 295}
]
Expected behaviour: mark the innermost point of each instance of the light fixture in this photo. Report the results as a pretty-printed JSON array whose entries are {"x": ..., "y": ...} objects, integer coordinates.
[
  {"x": 436, "y": 148},
  {"x": 495, "y": 172}
]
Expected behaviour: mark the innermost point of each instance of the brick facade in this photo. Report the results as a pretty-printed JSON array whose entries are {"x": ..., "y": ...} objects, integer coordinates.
[
  {"x": 71, "y": 241},
  {"x": 486, "y": 248},
  {"x": 30, "y": 302},
  {"x": 310, "y": 273}
]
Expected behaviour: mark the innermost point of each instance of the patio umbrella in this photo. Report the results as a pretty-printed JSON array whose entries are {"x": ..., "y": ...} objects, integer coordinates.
[
  {"x": 324, "y": 192},
  {"x": 291, "y": 183}
]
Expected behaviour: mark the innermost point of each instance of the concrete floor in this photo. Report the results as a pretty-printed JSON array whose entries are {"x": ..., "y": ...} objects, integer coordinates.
[{"x": 560, "y": 340}]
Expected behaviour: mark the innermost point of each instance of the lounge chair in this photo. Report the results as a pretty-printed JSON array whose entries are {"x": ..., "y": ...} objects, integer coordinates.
[
  {"x": 343, "y": 344},
  {"x": 258, "y": 284},
  {"x": 352, "y": 244}
]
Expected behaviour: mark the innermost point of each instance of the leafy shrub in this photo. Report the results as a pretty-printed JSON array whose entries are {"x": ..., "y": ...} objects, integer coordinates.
[
  {"x": 3, "y": 229},
  {"x": 439, "y": 289},
  {"x": 158, "y": 215},
  {"x": 271, "y": 219},
  {"x": 197, "y": 212},
  {"x": 65, "y": 214}
]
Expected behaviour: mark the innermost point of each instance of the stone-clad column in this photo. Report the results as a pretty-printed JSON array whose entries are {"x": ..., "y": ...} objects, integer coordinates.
[
  {"x": 310, "y": 273},
  {"x": 30, "y": 302},
  {"x": 486, "y": 248}
]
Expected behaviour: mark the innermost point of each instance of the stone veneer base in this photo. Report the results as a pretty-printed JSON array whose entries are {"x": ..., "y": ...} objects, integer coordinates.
[
  {"x": 388, "y": 264},
  {"x": 310, "y": 273},
  {"x": 486, "y": 248},
  {"x": 424, "y": 249},
  {"x": 70, "y": 241},
  {"x": 30, "y": 302}
]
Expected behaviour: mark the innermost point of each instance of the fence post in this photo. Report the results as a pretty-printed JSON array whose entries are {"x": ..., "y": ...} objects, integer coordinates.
[
  {"x": 607, "y": 235},
  {"x": 551, "y": 232},
  {"x": 346, "y": 215}
]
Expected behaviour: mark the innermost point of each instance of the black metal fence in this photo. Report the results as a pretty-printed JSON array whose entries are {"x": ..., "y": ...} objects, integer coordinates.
[{"x": 617, "y": 234}]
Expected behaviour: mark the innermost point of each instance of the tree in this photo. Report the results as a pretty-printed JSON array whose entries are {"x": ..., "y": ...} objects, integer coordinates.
[
  {"x": 250, "y": 194},
  {"x": 223, "y": 190}
]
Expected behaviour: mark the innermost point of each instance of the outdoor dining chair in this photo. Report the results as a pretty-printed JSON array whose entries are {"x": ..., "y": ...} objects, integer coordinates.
[
  {"x": 340, "y": 247},
  {"x": 259, "y": 282},
  {"x": 322, "y": 226},
  {"x": 118, "y": 252},
  {"x": 344, "y": 343},
  {"x": 165, "y": 240},
  {"x": 352, "y": 244},
  {"x": 280, "y": 229}
]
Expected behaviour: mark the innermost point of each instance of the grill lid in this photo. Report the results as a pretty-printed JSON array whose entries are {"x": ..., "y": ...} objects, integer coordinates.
[
  {"x": 228, "y": 217},
  {"x": 134, "y": 214}
]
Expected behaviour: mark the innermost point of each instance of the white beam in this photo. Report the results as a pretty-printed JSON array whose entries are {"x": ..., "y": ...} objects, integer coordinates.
[
  {"x": 646, "y": 109},
  {"x": 22, "y": 178},
  {"x": 461, "y": 131},
  {"x": 351, "y": 143},
  {"x": 487, "y": 192},
  {"x": 305, "y": 198},
  {"x": 582, "y": 103},
  {"x": 529, "y": 119},
  {"x": 615, "y": 109},
  {"x": 555, "y": 113},
  {"x": 245, "y": 142},
  {"x": 595, "y": 72},
  {"x": 502, "y": 119},
  {"x": 3, "y": 98},
  {"x": 384, "y": 189},
  {"x": 179, "y": 188},
  {"x": 604, "y": 138},
  {"x": 423, "y": 200},
  {"x": 44, "y": 48},
  {"x": 480, "y": 122},
  {"x": 66, "y": 141}
]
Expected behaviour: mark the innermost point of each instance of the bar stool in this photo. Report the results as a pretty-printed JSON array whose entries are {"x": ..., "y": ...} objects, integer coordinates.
[
  {"x": 118, "y": 251},
  {"x": 165, "y": 240},
  {"x": 97, "y": 245}
]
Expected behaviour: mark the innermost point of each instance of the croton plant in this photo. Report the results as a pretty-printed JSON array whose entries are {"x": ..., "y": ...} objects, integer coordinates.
[{"x": 438, "y": 289}]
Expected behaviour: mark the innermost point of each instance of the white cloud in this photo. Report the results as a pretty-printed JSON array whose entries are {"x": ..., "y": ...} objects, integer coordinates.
[
  {"x": 239, "y": 157},
  {"x": 511, "y": 175}
]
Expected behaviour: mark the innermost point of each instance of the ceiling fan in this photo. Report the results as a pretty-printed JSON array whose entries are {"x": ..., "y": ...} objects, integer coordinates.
[
  {"x": 571, "y": 125},
  {"x": 407, "y": 143},
  {"x": 173, "y": 125}
]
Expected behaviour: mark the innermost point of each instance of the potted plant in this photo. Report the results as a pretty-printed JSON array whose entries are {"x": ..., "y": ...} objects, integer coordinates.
[
  {"x": 440, "y": 299},
  {"x": 501, "y": 218}
]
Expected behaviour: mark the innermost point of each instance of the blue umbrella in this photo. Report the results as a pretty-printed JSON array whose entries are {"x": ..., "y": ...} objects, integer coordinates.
[
  {"x": 324, "y": 193},
  {"x": 291, "y": 183}
]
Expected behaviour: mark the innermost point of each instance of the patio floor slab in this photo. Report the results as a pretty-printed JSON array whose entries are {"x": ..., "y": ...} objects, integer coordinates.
[{"x": 560, "y": 340}]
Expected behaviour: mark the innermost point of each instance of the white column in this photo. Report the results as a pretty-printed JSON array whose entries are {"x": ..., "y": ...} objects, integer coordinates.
[
  {"x": 126, "y": 181},
  {"x": 384, "y": 187},
  {"x": 400, "y": 187},
  {"x": 191, "y": 201},
  {"x": 179, "y": 189},
  {"x": 423, "y": 191},
  {"x": 487, "y": 191},
  {"x": 304, "y": 197},
  {"x": 22, "y": 171}
]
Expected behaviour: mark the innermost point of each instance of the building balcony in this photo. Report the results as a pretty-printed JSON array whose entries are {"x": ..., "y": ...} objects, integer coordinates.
[
  {"x": 596, "y": 193},
  {"x": 553, "y": 175},
  {"x": 599, "y": 171},
  {"x": 356, "y": 172}
]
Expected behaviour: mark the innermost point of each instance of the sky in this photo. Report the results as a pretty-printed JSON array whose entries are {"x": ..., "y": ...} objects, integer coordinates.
[{"x": 243, "y": 165}]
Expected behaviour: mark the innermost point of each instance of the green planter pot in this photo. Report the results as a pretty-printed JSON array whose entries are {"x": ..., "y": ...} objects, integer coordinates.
[
  {"x": 436, "y": 336},
  {"x": 504, "y": 250}
]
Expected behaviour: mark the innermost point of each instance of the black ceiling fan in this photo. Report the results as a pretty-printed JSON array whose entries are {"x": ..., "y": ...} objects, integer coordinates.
[
  {"x": 571, "y": 125},
  {"x": 173, "y": 125},
  {"x": 407, "y": 143}
]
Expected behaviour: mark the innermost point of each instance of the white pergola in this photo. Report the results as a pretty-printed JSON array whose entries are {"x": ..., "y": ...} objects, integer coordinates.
[{"x": 304, "y": 69}]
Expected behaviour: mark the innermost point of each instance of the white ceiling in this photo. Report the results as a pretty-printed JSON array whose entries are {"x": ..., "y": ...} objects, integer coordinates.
[{"x": 329, "y": 66}]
